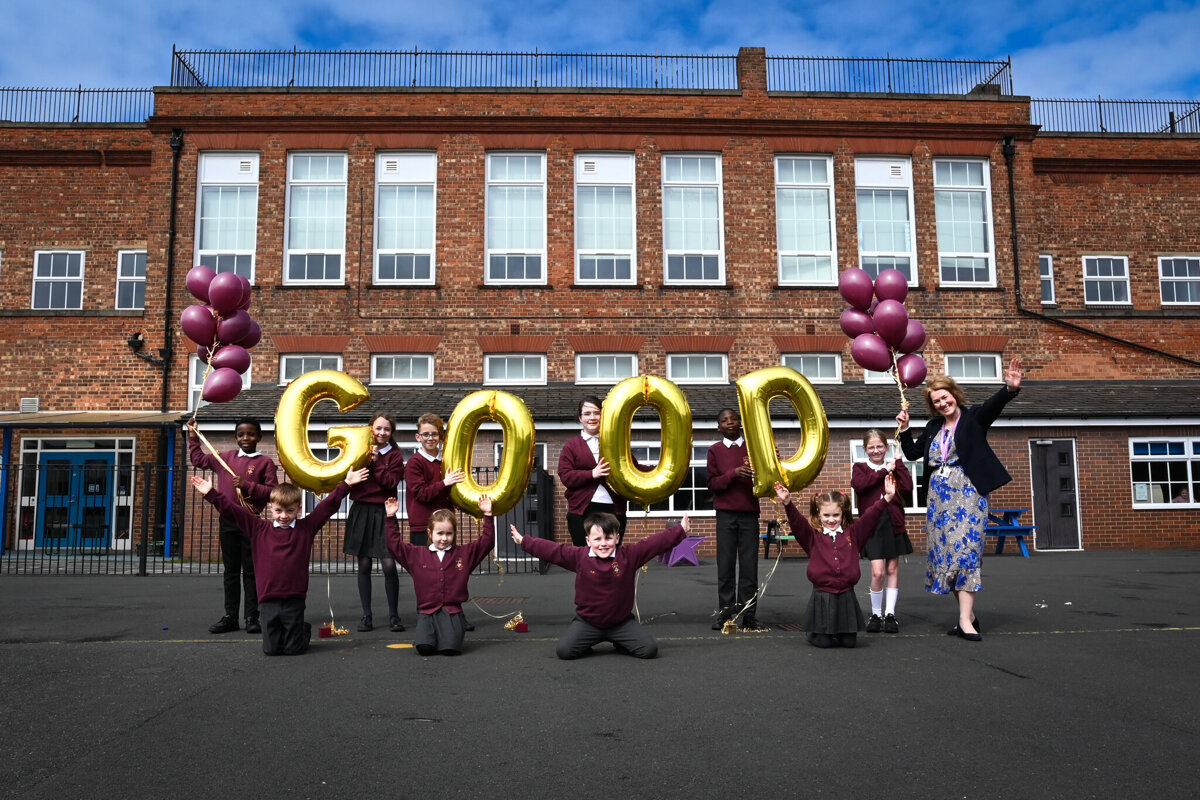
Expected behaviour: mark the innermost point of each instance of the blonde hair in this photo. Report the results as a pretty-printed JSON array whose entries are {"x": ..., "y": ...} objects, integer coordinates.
[
  {"x": 944, "y": 384},
  {"x": 287, "y": 495},
  {"x": 818, "y": 500}
]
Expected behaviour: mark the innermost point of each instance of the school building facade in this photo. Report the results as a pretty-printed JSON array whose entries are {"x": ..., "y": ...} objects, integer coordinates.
[{"x": 433, "y": 224}]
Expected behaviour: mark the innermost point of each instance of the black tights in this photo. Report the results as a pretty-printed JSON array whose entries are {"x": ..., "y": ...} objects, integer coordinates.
[{"x": 391, "y": 585}]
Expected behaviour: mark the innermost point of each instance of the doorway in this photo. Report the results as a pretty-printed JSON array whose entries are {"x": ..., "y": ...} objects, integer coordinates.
[
  {"x": 1055, "y": 497},
  {"x": 75, "y": 505}
]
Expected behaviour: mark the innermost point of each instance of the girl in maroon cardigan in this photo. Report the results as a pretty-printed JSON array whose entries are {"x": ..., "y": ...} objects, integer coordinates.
[
  {"x": 889, "y": 540},
  {"x": 833, "y": 616}
]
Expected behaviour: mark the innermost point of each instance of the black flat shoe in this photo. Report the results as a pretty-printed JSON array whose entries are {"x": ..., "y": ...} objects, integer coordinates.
[
  {"x": 224, "y": 625},
  {"x": 394, "y": 625},
  {"x": 253, "y": 625},
  {"x": 365, "y": 624},
  {"x": 970, "y": 637}
]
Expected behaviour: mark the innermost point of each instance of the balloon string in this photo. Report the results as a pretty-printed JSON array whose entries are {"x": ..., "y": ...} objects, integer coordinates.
[
  {"x": 903, "y": 400},
  {"x": 212, "y": 450}
]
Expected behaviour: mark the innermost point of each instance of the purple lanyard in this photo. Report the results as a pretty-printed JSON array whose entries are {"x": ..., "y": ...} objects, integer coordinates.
[{"x": 944, "y": 441}]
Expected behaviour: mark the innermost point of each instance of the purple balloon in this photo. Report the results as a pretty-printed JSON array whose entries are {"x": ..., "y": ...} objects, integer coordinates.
[
  {"x": 891, "y": 285},
  {"x": 232, "y": 356},
  {"x": 891, "y": 321},
  {"x": 221, "y": 386},
  {"x": 198, "y": 279},
  {"x": 247, "y": 292},
  {"x": 911, "y": 370},
  {"x": 871, "y": 352},
  {"x": 253, "y": 337},
  {"x": 856, "y": 323},
  {"x": 199, "y": 324},
  {"x": 856, "y": 288},
  {"x": 234, "y": 327},
  {"x": 914, "y": 338},
  {"x": 225, "y": 293}
]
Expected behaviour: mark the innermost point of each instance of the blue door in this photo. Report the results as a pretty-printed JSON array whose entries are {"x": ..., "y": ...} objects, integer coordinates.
[{"x": 75, "y": 501}]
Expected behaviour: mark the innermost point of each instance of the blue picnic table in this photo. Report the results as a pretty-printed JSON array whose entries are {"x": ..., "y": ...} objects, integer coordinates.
[{"x": 1005, "y": 522}]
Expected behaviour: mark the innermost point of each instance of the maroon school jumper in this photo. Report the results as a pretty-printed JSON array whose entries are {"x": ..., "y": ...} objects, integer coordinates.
[
  {"x": 386, "y": 472},
  {"x": 867, "y": 485},
  {"x": 833, "y": 566},
  {"x": 257, "y": 474},
  {"x": 575, "y": 465},
  {"x": 440, "y": 584},
  {"x": 424, "y": 490},
  {"x": 730, "y": 491},
  {"x": 281, "y": 554},
  {"x": 604, "y": 586}
]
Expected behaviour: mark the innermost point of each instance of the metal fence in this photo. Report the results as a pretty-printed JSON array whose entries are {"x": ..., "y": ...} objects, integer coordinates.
[
  {"x": 888, "y": 75},
  {"x": 75, "y": 105},
  {"x": 1116, "y": 116},
  {"x": 92, "y": 519}
]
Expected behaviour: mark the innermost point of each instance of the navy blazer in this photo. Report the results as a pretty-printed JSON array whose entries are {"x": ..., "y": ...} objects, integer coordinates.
[{"x": 975, "y": 455}]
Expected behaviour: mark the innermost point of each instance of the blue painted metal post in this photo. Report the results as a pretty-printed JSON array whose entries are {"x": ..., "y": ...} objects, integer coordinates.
[
  {"x": 171, "y": 435},
  {"x": 6, "y": 461}
]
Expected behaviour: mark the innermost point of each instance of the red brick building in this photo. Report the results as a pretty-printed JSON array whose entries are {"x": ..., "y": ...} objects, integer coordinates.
[{"x": 546, "y": 240}]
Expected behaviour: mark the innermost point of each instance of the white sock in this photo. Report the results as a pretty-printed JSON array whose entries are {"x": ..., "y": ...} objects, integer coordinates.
[
  {"x": 877, "y": 603},
  {"x": 891, "y": 599}
]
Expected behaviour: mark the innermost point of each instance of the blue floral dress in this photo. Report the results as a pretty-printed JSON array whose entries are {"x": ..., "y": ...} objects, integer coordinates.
[{"x": 954, "y": 523}]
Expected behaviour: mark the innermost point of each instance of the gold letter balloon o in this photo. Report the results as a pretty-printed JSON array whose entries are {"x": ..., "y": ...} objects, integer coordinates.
[
  {"x": 516, "y": 425},
  {"x": 616, "y": 420},
  {"x": 755, "y": 391},
  {"x": 291, "y": 429}
]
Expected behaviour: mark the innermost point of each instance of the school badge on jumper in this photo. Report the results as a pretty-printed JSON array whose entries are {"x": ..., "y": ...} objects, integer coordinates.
[
  {"x": 616, "y": 569},
  {"x": 458, "y": 564}
]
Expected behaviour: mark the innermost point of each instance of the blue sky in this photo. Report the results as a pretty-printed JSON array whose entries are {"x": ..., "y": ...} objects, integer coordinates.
[{"x": 1116, "y": 48}]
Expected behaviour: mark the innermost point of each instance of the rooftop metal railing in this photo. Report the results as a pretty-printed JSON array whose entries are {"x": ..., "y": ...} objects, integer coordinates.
[
  {"x": 886, "y": 75},
  {"x": 1116, "y": 116},
  {"x": 75, "y": 105}
]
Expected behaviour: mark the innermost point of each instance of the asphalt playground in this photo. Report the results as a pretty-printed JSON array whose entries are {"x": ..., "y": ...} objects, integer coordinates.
[{"x": 1085, "y": 686}]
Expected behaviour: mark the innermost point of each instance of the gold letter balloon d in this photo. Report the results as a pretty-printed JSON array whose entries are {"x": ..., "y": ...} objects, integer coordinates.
[
  {"x": 616, "y": 420},
  {"x": 291, "y": 429},
  {"x": 755, "y": 391},
  {"x": 516, "y": 425}
]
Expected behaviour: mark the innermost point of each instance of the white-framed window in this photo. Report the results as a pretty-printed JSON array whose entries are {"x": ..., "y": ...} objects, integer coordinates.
[
  {"x": 693, "y": 495},
  {"x": 817, "y": 367},
  {"x": 514, "y": 369},
  {"x": 311, "y": 499},
  {"x": 605, "y": 367},
  {"x": 973, "y": 367},
  {"x": 405, "y": 217},
  {"x": 407, "y": 449},
  {"x": 516, "y": 218},
  {"x": 414, "y": 369},
  {"x": 805, "y": 235},
  {"x": 293, "y": 365},
  {"x": 1179, "y": 280},
  {"x": 58, "y": 279},
  {"x": 884, "y": 202},
  {"x": 1165, "y": 472},
  {"x": 316, "y": 218},
  {"x": 605, "y": 218},
  {"x": 698, "y": 367},
  {"x": 227, "y": 212},
  {"x": 196, "y": 372},
  {"x": 1046, "y": 272},
  {"x": 693, "y": 220},
  {"x": 914, "y": 503},
  {"x": 1106, "y": 280},
  {"x": 871, "y": 376},
  {"x": 131, "y": 279},
  {"x": 963, "y": 199}
]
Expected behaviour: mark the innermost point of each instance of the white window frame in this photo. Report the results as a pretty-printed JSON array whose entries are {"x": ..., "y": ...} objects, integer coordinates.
[
  {"x": 796, "y": 361},
  {"x": 1161, "y": 487},
  {"x": 123, "y": 280},
  {"x": 1046, "y": 276},
  {"x": 977, "y": 197},
  {"x": 606, "y": 171},
  {"x": 62, "y": 280},
  {"x": 227, "y": 171},
  {"x": 1192, "y": 264},
  {"x": 416, "y": 172},
  {"x": 413, "y": 357},
  {"x": 858, "y": 453},
  {"x": 956, "y": 361},
  {"x": 408, "y": 450},
  {"x": 536, "y": 245},
  {"x": 490, "y": 380},
  {"x": 196, "y": 383},
  {"x": 871, "y": 376},
  {"x": 1099, "y": 281},
  {"x": 647, "y": 453},
  {"x": 333, "y": 221},
  {"x": 673, "y": 367},
  {"x": 581, "y": 358},
  {"x": 885, "y": 174},
  {"x": 284, "y": 358},
  {"x": 698, "y": 189},
  {"x": 813, "y": 188}
]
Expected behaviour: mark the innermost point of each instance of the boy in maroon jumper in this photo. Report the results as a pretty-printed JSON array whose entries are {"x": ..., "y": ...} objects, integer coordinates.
[
  {"x": 604, "y": 584},
  {"x": 731, "y": 482},
  {"x": 254, "y": 475},
  {"x": 583, "y": 472},
  {"x": 440, "y": 572},
  {"x": 426, "y": 490},
  {"x": 282, "y": 546}
]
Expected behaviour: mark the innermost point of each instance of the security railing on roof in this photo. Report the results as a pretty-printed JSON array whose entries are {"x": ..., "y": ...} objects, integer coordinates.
[
  {"x": 887, "y": 75},
  {"x": 461, "y": 70},
  {"x": 75, "y": 105},
  {"x": 1116, "y": 116}
]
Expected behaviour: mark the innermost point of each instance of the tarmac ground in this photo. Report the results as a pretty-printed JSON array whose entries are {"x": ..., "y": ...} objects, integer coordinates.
[{"x": 1085, "y": 686}]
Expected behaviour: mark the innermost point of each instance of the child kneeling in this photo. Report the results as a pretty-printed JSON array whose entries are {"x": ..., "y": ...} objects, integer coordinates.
[
  {"x": 281, "y": 547},
  {"x": 604, "y": 584}
]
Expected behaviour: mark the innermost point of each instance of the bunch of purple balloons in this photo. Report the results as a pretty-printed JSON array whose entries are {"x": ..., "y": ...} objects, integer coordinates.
[
  {"x": 879, "y": 326},
  {"x": 221, "y": 328}
]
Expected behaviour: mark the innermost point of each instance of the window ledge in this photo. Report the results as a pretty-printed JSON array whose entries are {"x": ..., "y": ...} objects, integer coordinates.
[{"x": 74, "y": 312}]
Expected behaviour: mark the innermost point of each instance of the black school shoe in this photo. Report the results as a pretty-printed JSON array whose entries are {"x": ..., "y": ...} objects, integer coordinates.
[
  {"x": 253, "y": 625},
  {"x": 874, "y": 624},
  {"x": 224, "y": 625},
  {"x": 890, "y": 625},
  {"x": 753, "y": 625},
  {"x": 394, "y": 625},
  {"x": 365, "y": 624}
]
